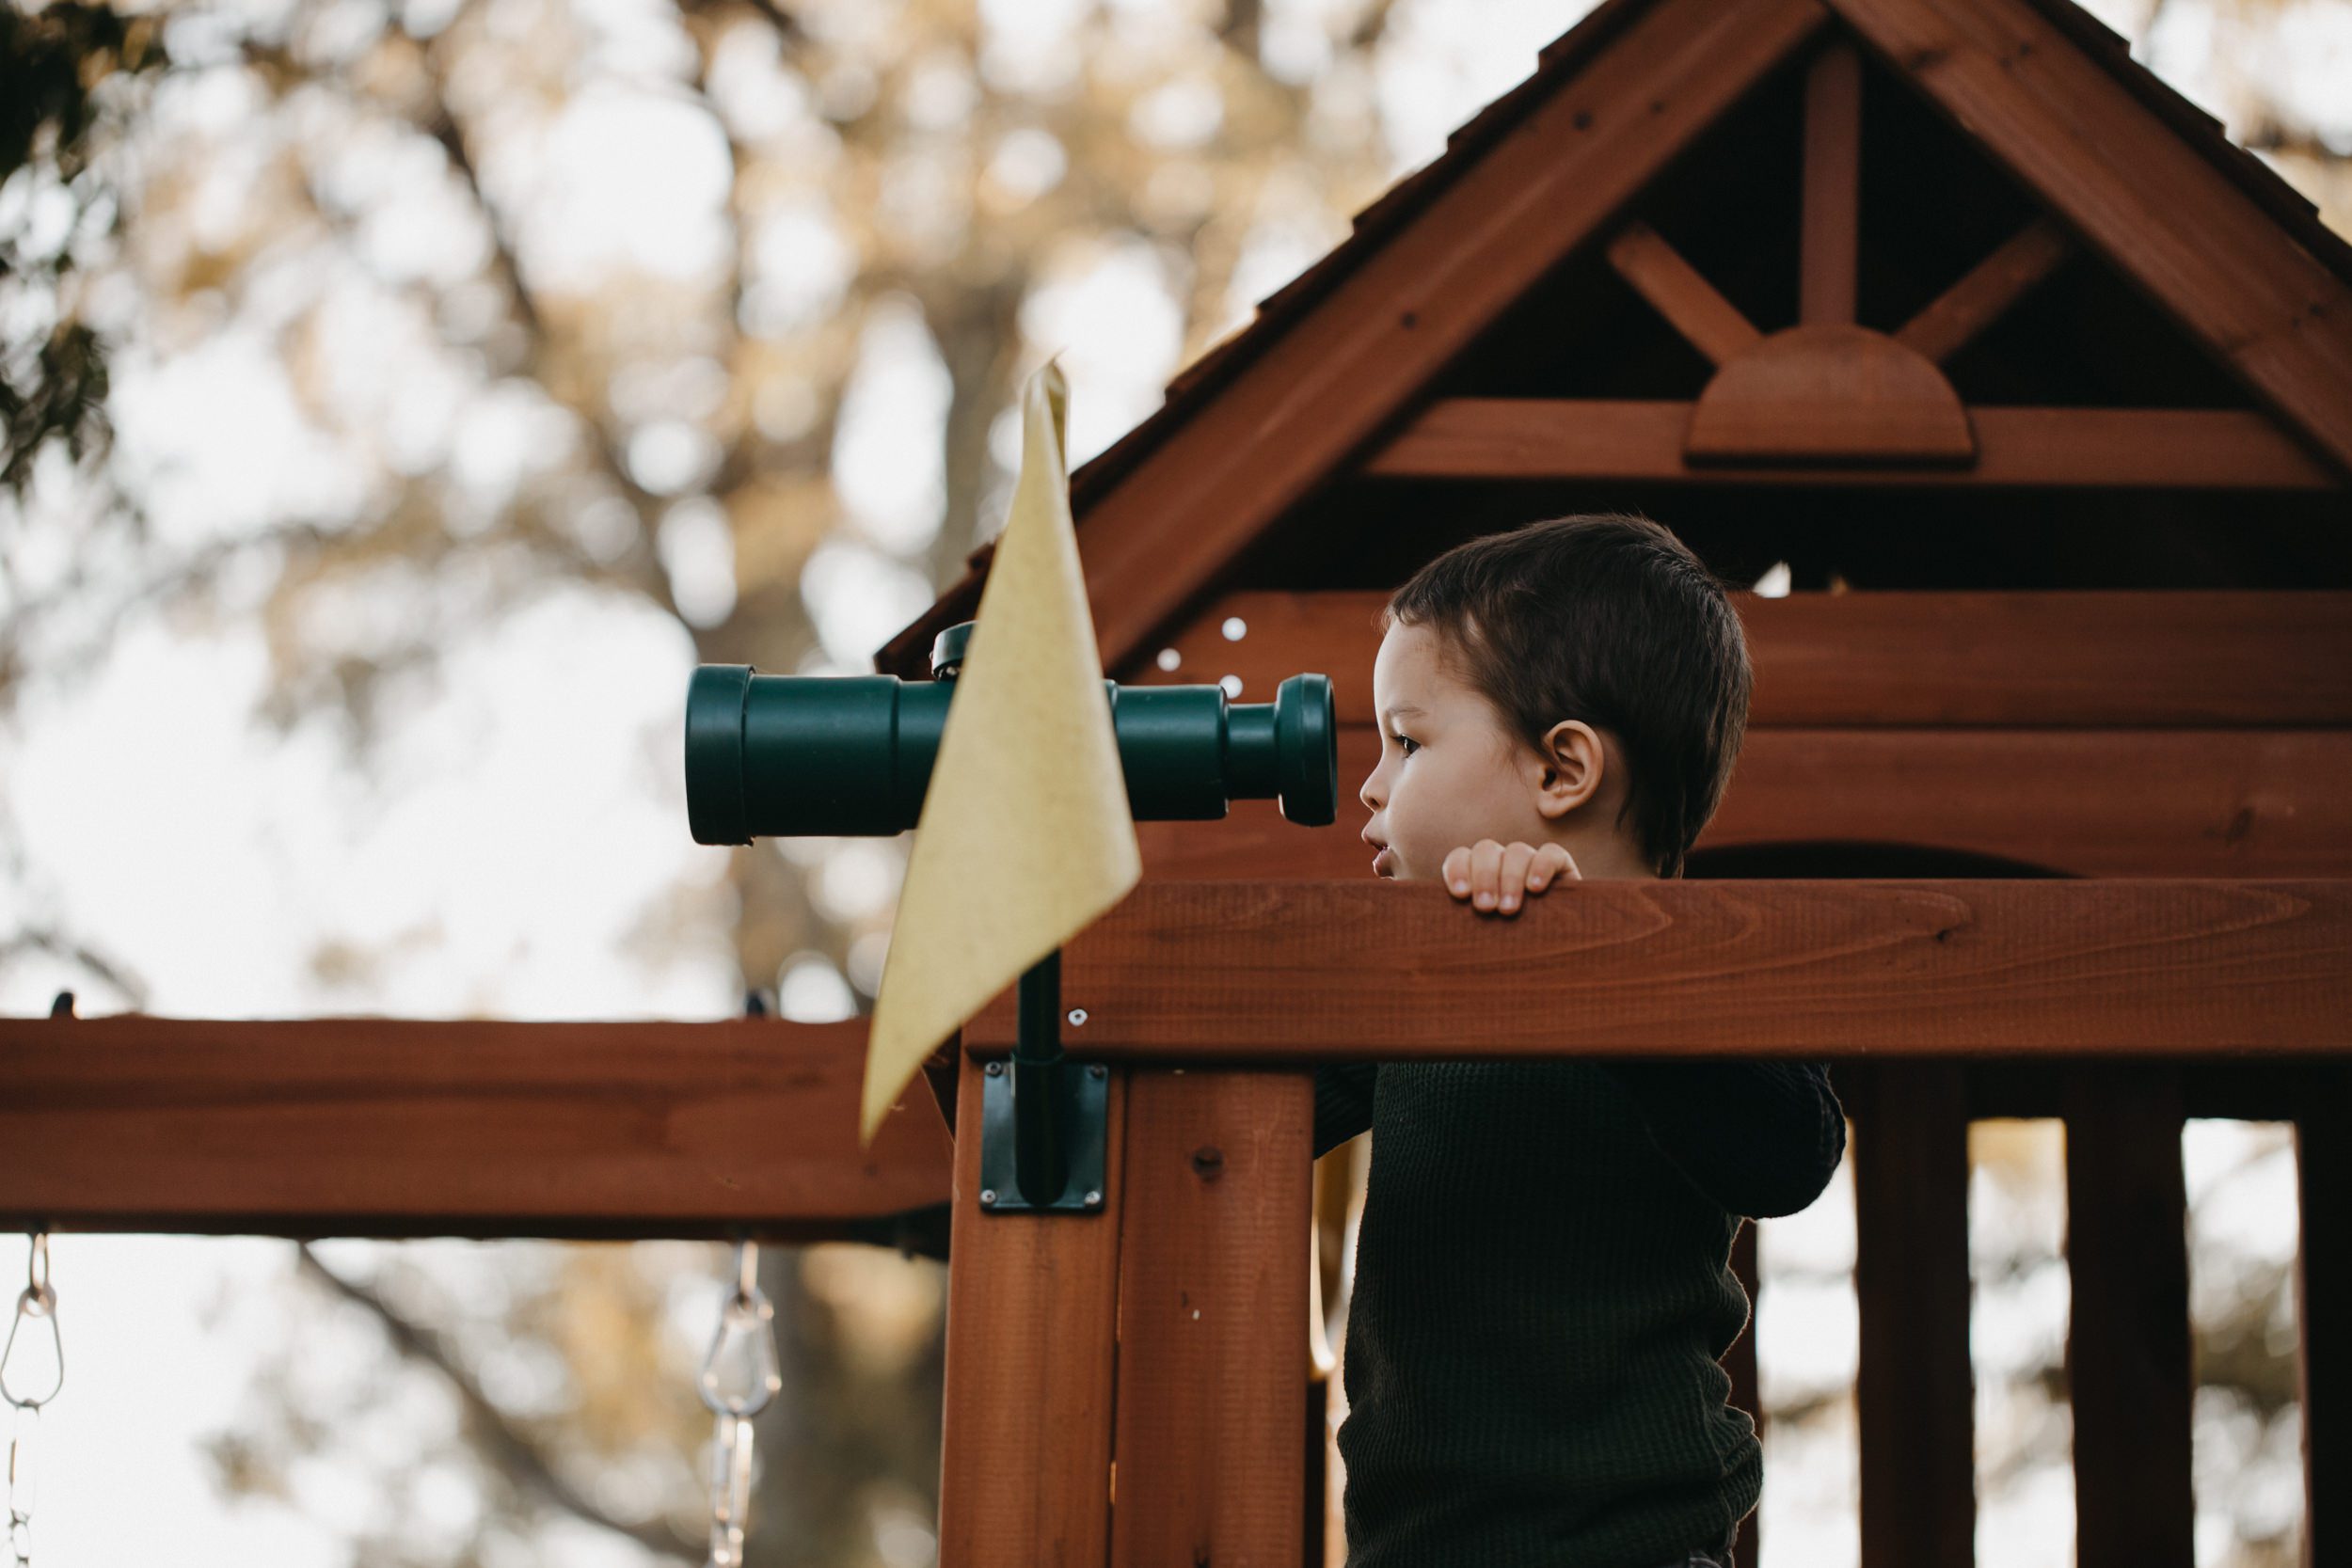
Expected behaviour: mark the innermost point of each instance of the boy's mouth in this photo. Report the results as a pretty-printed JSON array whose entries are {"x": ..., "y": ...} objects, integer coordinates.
[{"x": 1383, "y": 864}]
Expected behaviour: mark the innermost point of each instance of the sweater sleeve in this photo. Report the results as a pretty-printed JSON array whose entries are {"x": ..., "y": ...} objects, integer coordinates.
[
  {"x": 1342, "y": 1102},
  {"x": 1758, "y": 1138}
]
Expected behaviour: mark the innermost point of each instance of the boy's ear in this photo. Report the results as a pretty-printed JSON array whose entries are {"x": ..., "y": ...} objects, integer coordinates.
[{"x": 1569, "y": 772}]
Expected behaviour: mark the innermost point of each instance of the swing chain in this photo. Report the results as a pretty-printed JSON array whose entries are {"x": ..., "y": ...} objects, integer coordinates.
[
  {"x": 45, "y": 1365},
  {"x": 738, "y": 1377}
]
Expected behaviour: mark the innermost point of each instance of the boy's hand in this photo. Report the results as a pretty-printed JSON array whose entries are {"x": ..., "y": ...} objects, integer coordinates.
[{"x": 1492, "y": 876}]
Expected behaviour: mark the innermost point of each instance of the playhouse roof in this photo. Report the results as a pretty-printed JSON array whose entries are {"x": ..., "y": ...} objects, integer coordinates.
[{"x": 2234, "y": 254}]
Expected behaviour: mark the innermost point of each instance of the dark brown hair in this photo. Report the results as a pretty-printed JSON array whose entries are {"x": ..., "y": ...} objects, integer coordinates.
[{"x": 1610, "y": 619}]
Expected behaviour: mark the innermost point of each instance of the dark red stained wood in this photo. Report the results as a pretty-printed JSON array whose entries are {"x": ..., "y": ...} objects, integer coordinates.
[
  {"x": 1213, "y": 1353},
  {"x": 1954, "y": 318},
  {"x": 393, "y": 1127},
  {"x": 2323, "y": 1149},
  {"x": 1831, "y": 196},
  {"x": 1831, "y": 392},
  {"x": 1689, "y": 302},
  {"x": 1026, "y": 1459},
  {"x": 2170, "y": 449},
  {"x": 2109, "y": 659},
  {"x": 1912, "y": 1386},
  {"x": 2090, "y": 804},
  {"x": 1295, "y": 415},
  {"x": 2136, "y": 192},
  {"x": 1296, "y": 972},
  {"x": 2128, "y": 1344}
]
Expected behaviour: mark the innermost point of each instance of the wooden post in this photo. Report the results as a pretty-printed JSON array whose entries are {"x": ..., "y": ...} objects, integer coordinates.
[
  {"x": 1212, "y": 1353},
  {"x": 1910, "y": 1160},
  {"x": 2323, "y": 1309},
  {"x": 2127, "y": 1346},
  {"x": 1026, "y": 1453}
]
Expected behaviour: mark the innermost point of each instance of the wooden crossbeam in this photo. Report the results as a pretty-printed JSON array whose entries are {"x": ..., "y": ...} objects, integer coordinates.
[
  {"x": 404, "y": 1127},
  {"x": 1268, "y": 973},
  {"x": 1952, "y": 321},
  {"x": 1571, "y": 438},
  {"x": 2122, "y": 659},
  {"x": 1691, "y": 306},
  {"x": 1829, "y": 251}
]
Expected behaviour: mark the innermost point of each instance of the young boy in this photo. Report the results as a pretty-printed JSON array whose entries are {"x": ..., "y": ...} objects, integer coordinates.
[{"x": 1543, "y": 1284}]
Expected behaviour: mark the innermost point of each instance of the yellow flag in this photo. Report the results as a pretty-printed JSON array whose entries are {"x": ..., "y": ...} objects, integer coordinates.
[{"x": 1026, "y": 835}]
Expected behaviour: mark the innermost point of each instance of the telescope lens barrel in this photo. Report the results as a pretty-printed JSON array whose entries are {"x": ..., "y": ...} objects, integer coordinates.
[{"x": 771, "y": 756}]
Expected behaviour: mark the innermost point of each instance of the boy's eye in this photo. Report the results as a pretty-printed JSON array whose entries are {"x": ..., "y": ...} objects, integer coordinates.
[{"x": 1410, "y": 744}]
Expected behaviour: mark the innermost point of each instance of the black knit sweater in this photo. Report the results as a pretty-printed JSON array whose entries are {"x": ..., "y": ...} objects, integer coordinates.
[{"x": 1542, "y": 1292}]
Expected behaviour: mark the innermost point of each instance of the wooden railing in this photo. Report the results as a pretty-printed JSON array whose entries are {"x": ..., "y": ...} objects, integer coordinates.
[{"x": 1131, "y": 1387}]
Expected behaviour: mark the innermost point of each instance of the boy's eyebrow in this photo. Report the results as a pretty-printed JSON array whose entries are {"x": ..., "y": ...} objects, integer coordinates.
[{"x": 1395, "y": 708}]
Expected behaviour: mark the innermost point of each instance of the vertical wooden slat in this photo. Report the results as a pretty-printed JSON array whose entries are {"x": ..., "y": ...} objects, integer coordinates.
[
  {"x": 2322, "y": 1153},
  {"x": 1025, "y": 1469},
  {"x": 1910, "y": 1160},
  {"x": 1830, "y": 250},
  {"x": 2127, "y": 1350},
  {"x": 1740, "y": 1361},
  {"x": 1213, "y": 1319}
]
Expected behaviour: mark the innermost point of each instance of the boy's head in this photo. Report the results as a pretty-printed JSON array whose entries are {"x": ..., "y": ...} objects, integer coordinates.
[{"x": 1582, "y": 681}]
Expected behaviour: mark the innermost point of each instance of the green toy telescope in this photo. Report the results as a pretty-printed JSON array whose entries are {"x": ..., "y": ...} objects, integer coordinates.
[{"x": 776, "y": 757}]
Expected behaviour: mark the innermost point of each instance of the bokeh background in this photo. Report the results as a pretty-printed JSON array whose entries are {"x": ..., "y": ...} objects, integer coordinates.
[{"x": 400, "y": 398}]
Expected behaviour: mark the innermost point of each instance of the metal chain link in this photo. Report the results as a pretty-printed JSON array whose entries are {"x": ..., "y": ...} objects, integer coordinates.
[
  {"x": 30, "y": 1376},
  {"x": 738, "y": 1377}
]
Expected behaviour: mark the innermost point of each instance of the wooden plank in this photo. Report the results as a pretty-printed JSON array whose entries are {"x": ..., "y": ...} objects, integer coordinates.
[
  {"x": 1689, "y": 303},
  {"x": 2118, "y": 658},
  {"x": 1576, "y": 439},
  {"x": 2087, "y": 803},
  {"x": 1914, "y": 1380},
  {"x": 1828, "y": 247},
  {"x": 1269, "y": 973},
  {"x": 1951, "y": 322},
  {"x": 2127, "y": 1346},
  {"x": 1347, "y": 365},
  {"x": 402, "y": 1127},
  {"x": 2145, "y": 200},
  {"x": 2323, "y": 1306},
  {"x": 1213, "y": 1354},
  {"x": 1032, "y": 1302}
]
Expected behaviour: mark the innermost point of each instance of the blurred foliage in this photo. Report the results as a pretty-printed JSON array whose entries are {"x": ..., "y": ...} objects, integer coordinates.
[{"x": 60, "y": 74}]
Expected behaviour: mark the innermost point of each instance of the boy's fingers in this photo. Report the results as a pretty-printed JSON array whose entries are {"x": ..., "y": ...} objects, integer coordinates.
[
  {"x": 1513, "y": 876},
  {"x": 1486, "y": 865},
  {"x": 1457, "y": 869}
]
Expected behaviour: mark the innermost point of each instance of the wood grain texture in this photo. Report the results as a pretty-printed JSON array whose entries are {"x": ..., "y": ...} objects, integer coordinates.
[
  {"x": 2136, "y": 192},
  {"x": 2087, "y": 803},
  {"x": 1578, "y": 438},
  {"x": 1349, "y": 364},
  {"x": 1025, "y": 1460},
  {"x": 2110, "y": 658},
  {"x": 1271, "y": 972},
  {"x": 1912, "y": 1385},
  {"x": 2128, "y": 1346},
  {"x": 390, "y": 1126},
  {"x": 1213, "y": 1353}
]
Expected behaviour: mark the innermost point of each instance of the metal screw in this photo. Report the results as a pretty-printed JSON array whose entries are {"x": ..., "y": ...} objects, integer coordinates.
[
  {"x": 1208, "y": 1161},
  {"x": 995, "y": 1070},
  {"x": 1094, "y": 1200},
  {"x": 1098, "y": 1070},
  {"x": 1077, "y": 1017},
  {"x": 988, "y": 1197}
]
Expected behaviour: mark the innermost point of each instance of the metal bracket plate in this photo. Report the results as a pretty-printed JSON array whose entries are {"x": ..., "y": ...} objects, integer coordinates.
[{"x": 1084, "y": 1089}]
